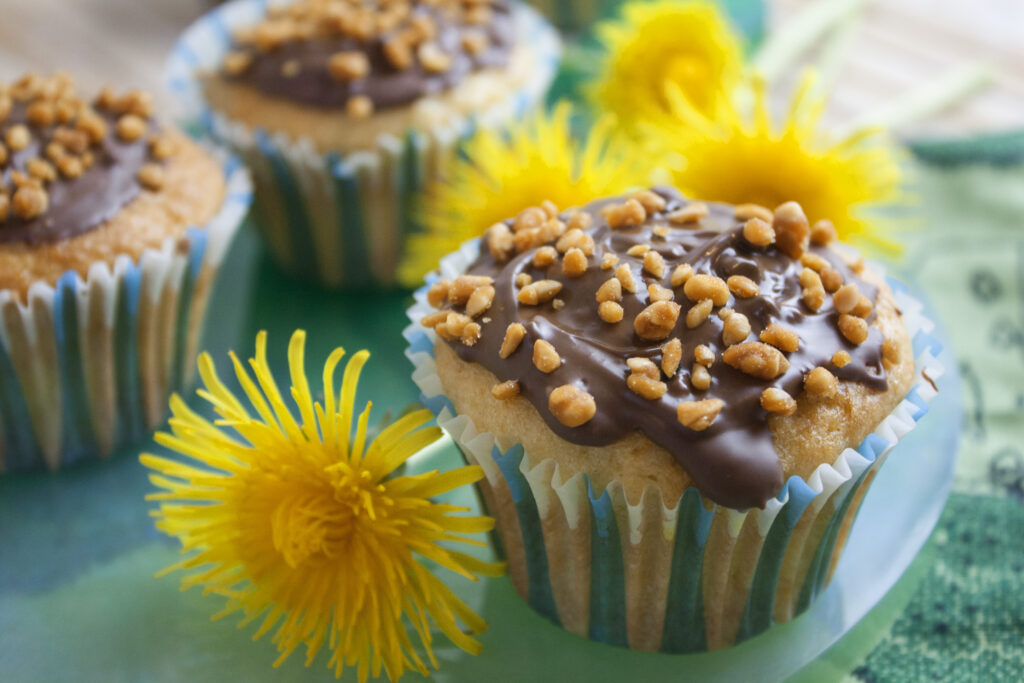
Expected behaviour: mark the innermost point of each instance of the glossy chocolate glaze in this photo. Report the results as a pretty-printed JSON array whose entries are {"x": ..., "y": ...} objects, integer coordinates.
[
  {"x": 385, "y": 85},
  {"x": 82, "y": 204},
  {"x": 734, "y": 461}
]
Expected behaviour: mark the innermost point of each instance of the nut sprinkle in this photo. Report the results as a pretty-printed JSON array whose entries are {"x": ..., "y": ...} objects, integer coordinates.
[{"x": 716, "y": 334}]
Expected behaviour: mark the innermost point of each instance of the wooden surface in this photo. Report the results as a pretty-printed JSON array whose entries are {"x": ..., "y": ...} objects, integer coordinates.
[{"x": 901, "y": 43}]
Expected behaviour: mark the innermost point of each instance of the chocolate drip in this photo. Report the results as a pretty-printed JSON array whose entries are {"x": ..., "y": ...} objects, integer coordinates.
[
  {"x": 734, "y": 461},
  {"x": 386, "y": 86},
  {"x": 81, "y": 204}
]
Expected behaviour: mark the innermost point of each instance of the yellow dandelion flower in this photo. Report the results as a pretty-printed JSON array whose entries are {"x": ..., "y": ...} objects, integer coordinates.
[
  {"x": 503, "y": 172},
  {"x": 748, "y": 158},
  {"x": 309, "y": 527},
  {"x": 689, "y": 46}
]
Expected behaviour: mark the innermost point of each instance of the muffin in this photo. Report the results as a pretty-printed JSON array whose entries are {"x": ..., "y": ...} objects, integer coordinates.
[
  {"x": 345, "y": 109},
  {"x": 112, "y": 227},
  {"x": 679, "y": 406}
]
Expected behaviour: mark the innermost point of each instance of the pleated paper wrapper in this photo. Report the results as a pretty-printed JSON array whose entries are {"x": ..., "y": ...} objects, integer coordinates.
[
  {"x": 87, "y": 365},
  {"x": 676, "y": 576},
  {"x": 342, "y": 220}
]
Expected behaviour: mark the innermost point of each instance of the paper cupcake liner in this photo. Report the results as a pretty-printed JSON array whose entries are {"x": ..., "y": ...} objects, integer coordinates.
[
  {"x": 87, "y": 365},
  {"x": 341, "y": 219},
  {"x": 669, "y": 576}
]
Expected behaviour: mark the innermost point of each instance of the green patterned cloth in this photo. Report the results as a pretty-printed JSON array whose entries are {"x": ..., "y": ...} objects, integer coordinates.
[{"x": 958, "y": 614}]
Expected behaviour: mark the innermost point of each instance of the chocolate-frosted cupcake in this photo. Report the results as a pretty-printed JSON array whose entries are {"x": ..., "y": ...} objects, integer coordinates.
[
  {"x": 669, "y": 398},
  {"x": 111, "y": 229},
  {"x": 345, "y": 108}
]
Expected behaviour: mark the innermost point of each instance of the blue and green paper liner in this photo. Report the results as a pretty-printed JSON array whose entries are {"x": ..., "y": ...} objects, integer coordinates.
[
  {"x": 87, "y": 365},
  {"x": 678, "y": 576},
  {"x": 339, "y": 219}
]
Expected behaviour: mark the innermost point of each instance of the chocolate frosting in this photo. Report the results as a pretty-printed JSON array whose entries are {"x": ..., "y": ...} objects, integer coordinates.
[
  {"x": 76, "y": 205},
  {"x": 734, "y": 461},
  {"x": 385, "y": 85}
]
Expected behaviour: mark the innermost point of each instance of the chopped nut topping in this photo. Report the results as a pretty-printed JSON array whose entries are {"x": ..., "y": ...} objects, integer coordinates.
[
  {"x": 434, "y": 319},
  {"x": 479, "y": 301},
  {"x": 291, "y": 68},
  {"x": 842, "y": 358},
  {"x": 544, "y": 257},
  {"x": 18, "y": 137},
  {"x": 539, "y": 292},
  {"x": 792, "y": 233},
  {"x": 671, "y": 356},
  {"x": 814, "y": 291},
  {"x": 654, "y": 264},
  {"x": 700, "y": 378},
  {"x": 576, "y": 239},
  {"x": 820, "y": 382},
  {"x": 557, "y": 304},
  {"x": 659, "y": 231},
  {"x": 704, "y": 355},
  {"x": 642, "y": 385},
  {"x": 574, "y": 264},
  {"x": 5, "y": 207},
  {"x": 611, "y": 290},
  {"x": 41, "y": 113},
  {"x": 571, "y": 405},
  {"x": 756, "y": 359},
  {"x": 475, "y": 42},
  {"x": 742, "y": 286},
  {"x": 699, "y": 415},
  {"x": 545, "y": 357},
  {"x": 691, "y": 213},
  {"x": 348, "y": 66},
  {"x": 758, "y": 232},
  {"x": 681, "y": 274},
  {"x": 643, "y": 366},
  {"x": 745, "y": 212},
  {"x": 631, "y": 212},
  {"x": 463, "y": 287},
  {"x": 891, "y": 352},
  {"x": 781, "y": 337},
  {"x": 864, "y": 307},
  {"x": 161, "y": 148},
  {"x": 657, "y": 320},
  {"x": 433, "y": 58},
  {"x": 528, "y": 218},
  {"x": 777, "y": 401},
  {"x": 549, "y": 208},
  {"x": 500, "y": 243},
  {"x": 724, "y": 313},
  {"x": 514, "y": 335},
  {"x": 610, "y": 312},
  {"x": 831, "y": 279},
  {"x": 698, "y": 313},
  {"x": 471, "y": 333},
  {"x": 580, "y": 221},
  {"x": 651, "y": 201},
  {"x": 29, "y": 202},
  {"x": 609, "y": 261},
  {"x": 853, "y": 328},
  {"x": 41, "y": 170},
  {"x": 359, "y": 107},
  {"x": 846, "y": 297},
  {"x": 523, "y": 279},
  {"x": 656, "y": 292},
  {"x": 625, "y": 276},
  {"x": 398, "y": 53},
  {"x": 151, "y": 176},
  {"x": 438, "y": 293},
  {"x": 505, "y": 390},
  {"x": 823, "y": 233},
  {"x": 638, "y": 249},
  {"x": 735, "y": 329},
  {"x": 813, "y": 261},
  {"x": 130, "y": 127},
  {"x": 236, "y": 63},
  {"x": 703, "y": 286}
]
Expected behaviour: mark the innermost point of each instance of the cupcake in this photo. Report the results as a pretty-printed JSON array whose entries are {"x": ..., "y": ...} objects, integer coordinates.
[
  {"x": 112, "y": 227},
  {"x": 344, "y": 110},
  {"x": 678, "y": 405}
]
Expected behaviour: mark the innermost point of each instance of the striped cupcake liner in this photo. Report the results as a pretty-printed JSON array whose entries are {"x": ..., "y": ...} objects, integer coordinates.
[
  {"x": 87, "y": 365},
  {"x": 341, "y": 219},
  {"x": 678, "y": 576}
]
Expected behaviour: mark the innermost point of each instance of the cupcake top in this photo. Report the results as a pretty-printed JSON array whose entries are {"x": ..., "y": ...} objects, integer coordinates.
[
  {"x": 367, "y": 55},
  {"x": 68, "y": 164},
  {"x": 694, "y": 323}
]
